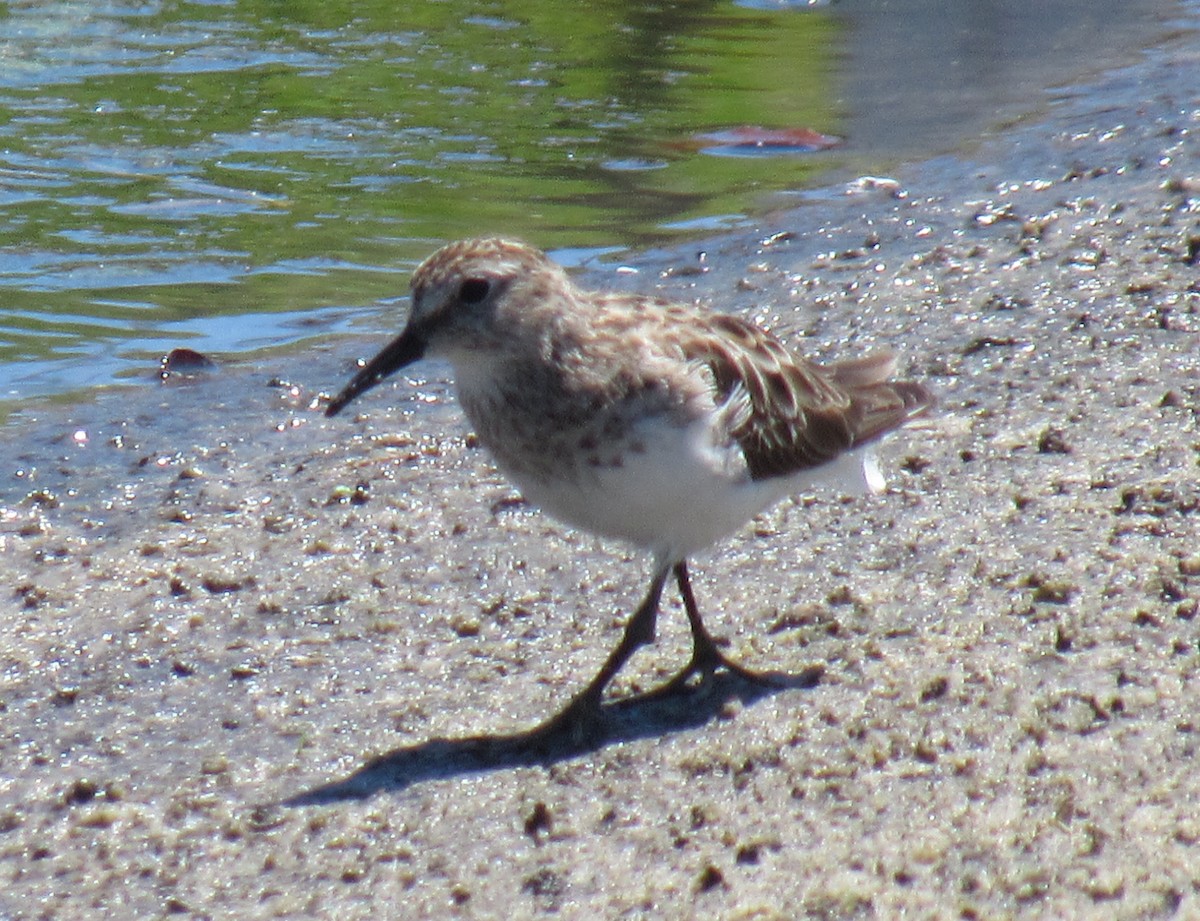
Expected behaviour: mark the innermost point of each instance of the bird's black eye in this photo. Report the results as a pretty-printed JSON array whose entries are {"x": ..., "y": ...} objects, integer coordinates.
[{"x": 473, "y": 290}]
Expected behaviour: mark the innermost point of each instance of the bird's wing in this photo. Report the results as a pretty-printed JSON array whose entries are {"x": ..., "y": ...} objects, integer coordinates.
[{"x": 796, "y": 414}]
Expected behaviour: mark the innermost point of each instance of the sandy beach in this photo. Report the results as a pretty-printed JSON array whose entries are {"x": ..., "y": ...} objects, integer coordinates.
[{"x": 242, "y": 644}]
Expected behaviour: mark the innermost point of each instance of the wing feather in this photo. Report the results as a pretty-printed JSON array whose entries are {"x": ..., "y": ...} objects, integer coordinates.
[{"x": 800, "y": 414}]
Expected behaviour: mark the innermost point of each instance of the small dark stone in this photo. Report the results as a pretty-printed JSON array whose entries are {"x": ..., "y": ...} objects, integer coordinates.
[
  {"x": 749, "y": 853},
  {"x": 1054, "y": 592},
  {"x": 935, "y": 689},
  {"x": 1053, "y": 442},
  {"x": 1062, "y": 640},
  {"x": 82, "y": 791},
  {"x": 185, "y": 362},
  {"x": 538, "y": 820},
  {"x": 220, "y": 585},
  {"x": 544, "y": 883},
  {"x": 710, "y": 878},
  {"x": 987, "y": 342},
  {"x": 924, "y": 752},
  {"x": 64, "y": 697},
  {"x": 1172, "y": 590}
]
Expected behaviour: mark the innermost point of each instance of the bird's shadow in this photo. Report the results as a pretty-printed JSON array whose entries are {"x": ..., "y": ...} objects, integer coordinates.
[{"x": 620, "y": 721}]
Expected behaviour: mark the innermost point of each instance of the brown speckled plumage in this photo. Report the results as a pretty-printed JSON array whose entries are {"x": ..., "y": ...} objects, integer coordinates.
[{"x": 583, "y": 364}]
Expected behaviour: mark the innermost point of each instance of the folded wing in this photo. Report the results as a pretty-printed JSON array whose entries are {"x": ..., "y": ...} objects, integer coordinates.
[{"x": 789, "y": 414}]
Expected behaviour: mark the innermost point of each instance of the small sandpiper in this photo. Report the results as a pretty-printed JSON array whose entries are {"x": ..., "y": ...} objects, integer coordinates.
[{"x": 661, "y": 424}]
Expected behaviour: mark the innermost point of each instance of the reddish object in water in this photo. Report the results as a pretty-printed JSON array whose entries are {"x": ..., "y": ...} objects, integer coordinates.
[{"x": 751, "y": 140}]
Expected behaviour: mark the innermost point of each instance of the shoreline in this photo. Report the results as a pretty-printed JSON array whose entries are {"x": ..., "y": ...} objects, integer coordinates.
[{"x": 223, "y": 601}]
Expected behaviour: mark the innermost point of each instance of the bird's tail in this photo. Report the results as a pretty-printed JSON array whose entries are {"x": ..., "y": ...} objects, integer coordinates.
[{"x": 883, "y": 404}]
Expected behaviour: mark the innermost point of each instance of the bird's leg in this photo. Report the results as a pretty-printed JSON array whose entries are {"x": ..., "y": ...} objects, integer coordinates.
[
  {"x": 706, "y": 657},
  {"x": 578, "y": 719}
]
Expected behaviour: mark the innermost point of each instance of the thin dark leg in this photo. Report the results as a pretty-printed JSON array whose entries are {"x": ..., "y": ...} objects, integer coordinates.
[
  {"x": 578, "y": 719},
  {"x": 707, "y": 658}
]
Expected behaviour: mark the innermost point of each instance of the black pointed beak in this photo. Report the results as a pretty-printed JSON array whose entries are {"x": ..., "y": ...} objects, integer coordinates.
[{"x": 401, "y": 352}]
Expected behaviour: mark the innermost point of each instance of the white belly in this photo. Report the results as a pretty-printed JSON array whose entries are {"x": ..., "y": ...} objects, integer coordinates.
[
  {"x": 679, "y": 494},
  {"x": 672, "y": 482}
]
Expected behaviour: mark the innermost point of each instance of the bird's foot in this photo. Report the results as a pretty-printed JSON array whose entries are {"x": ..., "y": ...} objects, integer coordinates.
[{"x": 707, "y": 659}]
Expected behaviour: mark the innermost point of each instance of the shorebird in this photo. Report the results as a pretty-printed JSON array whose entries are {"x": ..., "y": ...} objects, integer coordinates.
[{"x": 661, "y": 424}]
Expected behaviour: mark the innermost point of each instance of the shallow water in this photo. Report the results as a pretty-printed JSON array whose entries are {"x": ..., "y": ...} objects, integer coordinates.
[{"x": 238, "y": 177}]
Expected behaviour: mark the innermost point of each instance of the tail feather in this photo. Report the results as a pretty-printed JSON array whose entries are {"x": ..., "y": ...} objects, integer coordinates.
[
  {"x": 858, "y": 373},
  {"x": 887, "y": 405}
]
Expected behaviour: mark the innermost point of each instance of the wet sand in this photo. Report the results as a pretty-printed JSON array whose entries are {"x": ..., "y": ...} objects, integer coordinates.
[{"x": 240, "y": 640}]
